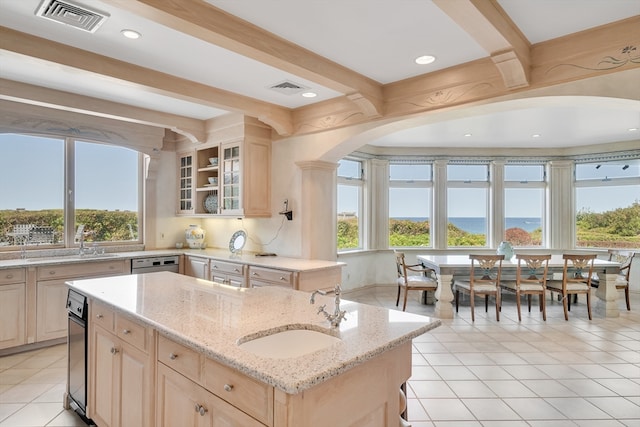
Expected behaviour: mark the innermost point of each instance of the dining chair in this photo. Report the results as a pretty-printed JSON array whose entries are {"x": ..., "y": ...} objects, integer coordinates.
[
  {"x": 423, "y": 281},
  {"x": 625, "y": 258},
  {"x": 531, "y": 279},
  {"x": 576, "y": 279},
  {"x": 485, "y": 281}
]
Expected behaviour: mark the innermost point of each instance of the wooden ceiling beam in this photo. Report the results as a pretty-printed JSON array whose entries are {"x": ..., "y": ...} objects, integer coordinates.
[
  {"x": 202, "y": 20},
  {"x": 494, "y": 31},
  {"x": 151, "y": 80}
]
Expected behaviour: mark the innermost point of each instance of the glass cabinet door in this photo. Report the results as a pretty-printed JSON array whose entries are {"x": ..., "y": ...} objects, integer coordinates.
[
  {"x": 185, "y": 173},
  {"x": 231, "y": 178}
]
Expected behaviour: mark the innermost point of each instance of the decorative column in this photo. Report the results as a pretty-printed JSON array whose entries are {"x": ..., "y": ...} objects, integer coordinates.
[{"x": 318, "y": 203}]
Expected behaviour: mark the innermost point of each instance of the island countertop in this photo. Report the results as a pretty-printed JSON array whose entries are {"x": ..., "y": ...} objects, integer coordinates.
[{"x": 211, "y": 318}]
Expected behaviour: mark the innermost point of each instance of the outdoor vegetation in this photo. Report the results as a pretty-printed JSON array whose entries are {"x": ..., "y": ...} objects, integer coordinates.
[
  {"x": 619, "y": 228},
  {"x": 99, "y": 225}
]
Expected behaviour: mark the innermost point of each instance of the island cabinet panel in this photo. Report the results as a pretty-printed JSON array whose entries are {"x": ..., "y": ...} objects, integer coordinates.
[
  {"x": 253, "y": 397},
  {"x": 121, "y": 370},
  {"x": 365, "y": 396},
  {"x": 182, "y": 402}
]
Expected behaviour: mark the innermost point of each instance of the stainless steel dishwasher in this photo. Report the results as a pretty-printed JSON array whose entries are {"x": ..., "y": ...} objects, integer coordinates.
[
  {"x": 157, "y": 263},
  {"x": 77, "y": 342}
]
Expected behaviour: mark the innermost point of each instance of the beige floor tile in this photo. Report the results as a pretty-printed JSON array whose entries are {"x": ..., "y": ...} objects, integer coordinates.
[
  {"x": 599, "y": 423},
  {"x": 416, "y": 411},
  {"x": 424, "y": 373},
  {"x": 24, "y": 393},
  {"x": 617, "y": 408},
  {"x": 48, "y": 375},
  {"x": 67, "y": 419},
  {"x": 587, "y": 387},
  {"x": 548, "y": 388},
  {"x": 534, "y": 409},
  {"x": 431, "y": 389},
  {"x": 490, "y": 409},
  {"x": 525, "y": 372},
  {"x": 471, "y": 389},
  {"x": 33, "y": 414},
  {"x": 40, "y": 361},
  {"x": 16, "y": 376},
  {"x": 490, "y": 372},
  {"x": 7, "y": 409},
  {"x": 12, "y": 360},
  {"x": 446, "y": 410},
  {"x": 577, "y": 408},
  {"x": 452, "y": 373},
  {"x": 621, "y": 386},
  {"x": 54, "y": 394},
  {"x": 509, "y": 388}
]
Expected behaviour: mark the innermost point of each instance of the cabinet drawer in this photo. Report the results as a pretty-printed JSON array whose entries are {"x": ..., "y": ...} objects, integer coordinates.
[
  {"x": 280, "y": 277},
  {"x": 102, "y": 315},
  {"x": 131, "y": 331},
  {"x": 251, "y": 396},
  {"x": 12, "y": 275},
  {"x": 85, "y": 269},
  {"x": 226, "y": 267},
  {"x": 182, "y": 359}
]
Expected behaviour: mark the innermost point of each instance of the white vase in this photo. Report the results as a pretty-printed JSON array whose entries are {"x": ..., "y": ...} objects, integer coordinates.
[
  {"x": 194, "y": 236},
  {"x": 506, "y": 249}
]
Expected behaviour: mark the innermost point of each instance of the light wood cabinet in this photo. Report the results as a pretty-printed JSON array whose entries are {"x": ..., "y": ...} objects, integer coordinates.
[
  {"x": 228, "y": 273},
  {"x": 121, "y": 366},
  {"x": 197, "y": 267},
  {"x": 241, "y": 179},
  {"x": 51, "y": 291},
  {"x": 260, "y": 276},
  {"x": 12, "y": 307}
]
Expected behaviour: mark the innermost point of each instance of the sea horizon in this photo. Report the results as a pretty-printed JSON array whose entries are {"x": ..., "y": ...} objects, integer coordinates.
[{"x": 478, "y": 225}]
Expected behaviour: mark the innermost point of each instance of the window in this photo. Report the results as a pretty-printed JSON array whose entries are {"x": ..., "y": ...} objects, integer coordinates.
[
  {"x": 410, "y": 189},
  {"x": 103, "y": 185},
  {"x": 467, "y": 204},
  {"x": 350, "y": 203},
  {"x": 607, "y": 204},
  {"x": 524, "y": 202}
]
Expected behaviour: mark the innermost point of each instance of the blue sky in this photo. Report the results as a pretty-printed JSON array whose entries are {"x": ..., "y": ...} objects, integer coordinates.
[{"x": 32, "y": 175}]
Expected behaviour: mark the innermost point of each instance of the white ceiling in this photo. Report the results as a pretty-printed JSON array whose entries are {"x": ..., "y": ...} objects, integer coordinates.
[{"x": 378, "y": 39}]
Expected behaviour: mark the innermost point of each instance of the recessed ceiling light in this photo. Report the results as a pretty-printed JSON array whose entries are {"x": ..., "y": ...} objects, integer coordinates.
[
  {"x": 535, "y": 135},
  {"x": 425, "y": 59},
  {"x": 131, "y": 34},
  {"x": 309, "y": 94},
  {"x": 468, "y": 134},
  {"x": 633, "y": 129}
]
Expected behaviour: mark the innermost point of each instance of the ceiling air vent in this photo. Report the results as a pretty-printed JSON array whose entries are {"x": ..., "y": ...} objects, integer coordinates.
[
  {"x": 72, "y": 14},
  {"x": 288, "y": 88}
]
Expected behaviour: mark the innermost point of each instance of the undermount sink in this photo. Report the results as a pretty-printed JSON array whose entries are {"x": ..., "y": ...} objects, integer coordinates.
[{"x": 288, "y": 343}]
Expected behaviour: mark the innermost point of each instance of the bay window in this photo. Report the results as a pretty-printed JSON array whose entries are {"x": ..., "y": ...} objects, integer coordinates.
[
  {"x": 350, "y": 204},
  {"x": 410, "y": 204},
  {"x": 467, "y": 204},
  {"x": 524, "y": 201}
]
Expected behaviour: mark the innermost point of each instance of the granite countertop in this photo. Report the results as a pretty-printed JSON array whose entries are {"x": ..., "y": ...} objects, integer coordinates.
[
  {"x": 212, "y": 318},
  {"x": 248, "y": 258}
]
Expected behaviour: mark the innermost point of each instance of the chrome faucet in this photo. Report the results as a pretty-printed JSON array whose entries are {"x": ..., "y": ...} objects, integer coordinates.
[{"x": 337, "y": 315}]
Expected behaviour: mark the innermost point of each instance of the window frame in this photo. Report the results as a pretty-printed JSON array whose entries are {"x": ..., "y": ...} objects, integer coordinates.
[
  {"x": 360, "y": 183},
  {"x": 413, "y": 184},
  {"x": 69, "y": 191}
]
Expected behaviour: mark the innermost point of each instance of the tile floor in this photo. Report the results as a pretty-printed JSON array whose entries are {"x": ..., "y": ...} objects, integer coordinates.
[{"x": 486, "y": 373}]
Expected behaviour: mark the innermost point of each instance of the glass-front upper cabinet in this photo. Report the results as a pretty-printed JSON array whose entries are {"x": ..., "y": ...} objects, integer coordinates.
[
  {"x": 231, "y": 179},
  {"x": 185, "y": 183}
]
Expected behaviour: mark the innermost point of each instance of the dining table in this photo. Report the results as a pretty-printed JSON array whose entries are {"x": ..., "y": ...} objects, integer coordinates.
[{"x": 447, "y": 267}]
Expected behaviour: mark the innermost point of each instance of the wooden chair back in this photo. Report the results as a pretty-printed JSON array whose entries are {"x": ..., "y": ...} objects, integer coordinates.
[
  {"x": 485, "y": 269},
  {"x": 578, "y": 269},
  {"x": 532, "y": 269}
]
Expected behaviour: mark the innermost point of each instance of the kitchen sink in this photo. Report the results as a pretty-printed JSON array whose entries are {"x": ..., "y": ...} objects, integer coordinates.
[
  {"x": 289, "y": 343},
  {"x": 71, "y": 257}
]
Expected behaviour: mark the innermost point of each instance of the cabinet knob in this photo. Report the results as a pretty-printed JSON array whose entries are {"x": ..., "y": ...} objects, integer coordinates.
[
  {"x": 9, "y": 276},
  {"x": 254, "y": 274},
  {"x": 126, "y": 331},
  {"x": 214, "y": 266},
  {"x": 228, "y": 387},
  {"x": 201, "y": 409},
  {"x": 52, "y": 272},
  {"x": 114, "y": 350},
  {"x": 236, "y": 270},
  {"x": 99, "y": 316},
  {"x": 173, "y": 356},
  {"x": 282, "y": 278}
]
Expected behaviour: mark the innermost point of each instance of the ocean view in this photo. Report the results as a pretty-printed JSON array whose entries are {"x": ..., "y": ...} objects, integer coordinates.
[{"x": 478, "y": 225}]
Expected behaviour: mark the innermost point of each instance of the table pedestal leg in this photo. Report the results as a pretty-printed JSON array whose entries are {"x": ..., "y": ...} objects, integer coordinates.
[
  {"x": 607, "y": 296},
  {"x": 444, "y": 296}
]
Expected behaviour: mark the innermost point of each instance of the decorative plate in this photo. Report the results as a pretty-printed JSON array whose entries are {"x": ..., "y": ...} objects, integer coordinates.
[
  {"x": 237, "y": 241},
  {"x": 211, "y": 203}
]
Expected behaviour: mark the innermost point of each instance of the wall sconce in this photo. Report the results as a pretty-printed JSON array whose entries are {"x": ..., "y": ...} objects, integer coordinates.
[{"x": 286, "y": 212}]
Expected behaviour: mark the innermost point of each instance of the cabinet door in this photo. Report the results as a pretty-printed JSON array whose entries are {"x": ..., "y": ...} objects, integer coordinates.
[
  {"x": 103, "y": 378},
  {"x": 197, "y": 267},
  {"x": 12, "y": 315},
  {"x": 231, "y": 179},
  {"x": 177, "y": 400},
  {"x": 51, "y": 311},
  {"x": 133, "y": 391},
  {"x": 185, "y": 183}
]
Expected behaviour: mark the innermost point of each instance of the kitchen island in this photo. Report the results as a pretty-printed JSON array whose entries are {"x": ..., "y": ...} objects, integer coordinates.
[{"x": 170, "y": 344}]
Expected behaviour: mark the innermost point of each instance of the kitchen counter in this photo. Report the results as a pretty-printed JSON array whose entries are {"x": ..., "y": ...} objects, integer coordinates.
[{"x": 210, "y": 318}]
